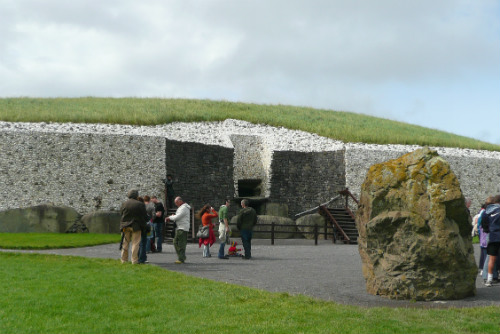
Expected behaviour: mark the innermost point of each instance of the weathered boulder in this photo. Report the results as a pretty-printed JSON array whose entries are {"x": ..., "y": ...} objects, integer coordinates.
[
  {"x": 102, "y": 222},
  {"x": 305, "y": 224},
  {"x": 41, "y": 218},
  {"x": 276, "y": 209},
  {"x": 285, "y": 232},
  {"x": 414, "y": 230}
]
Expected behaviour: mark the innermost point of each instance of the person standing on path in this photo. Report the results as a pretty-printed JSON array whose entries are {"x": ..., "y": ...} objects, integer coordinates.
[
  {"x": 150, "y": 209},
  {"x": 490, "y": 220},
  {"x": 246, "y": 220},
  {"x": 158, "y": 222},
  {"x": 206, "y": 214},
  {"x": 181, "y": 218},
  {"x": 223, "y": 229},
  {"x": 143, "y": 258},
  {"x": 132, "y": 223}
]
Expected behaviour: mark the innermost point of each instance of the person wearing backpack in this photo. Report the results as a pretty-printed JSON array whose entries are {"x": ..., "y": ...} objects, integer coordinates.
[{"x": 490, "y": 221}]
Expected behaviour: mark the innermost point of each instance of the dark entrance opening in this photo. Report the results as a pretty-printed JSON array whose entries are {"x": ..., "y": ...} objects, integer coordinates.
[{"x": 249, "y": 188}]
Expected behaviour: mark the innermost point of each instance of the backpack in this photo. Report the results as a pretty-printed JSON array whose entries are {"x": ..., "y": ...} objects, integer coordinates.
[{"x": 485, "y": 222}]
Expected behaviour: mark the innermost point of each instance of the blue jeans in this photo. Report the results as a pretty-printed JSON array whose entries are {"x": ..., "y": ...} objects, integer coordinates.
[
  {"x": 142, "y": 248},
  {"x": 148, "y": 244},
  {"x": 221, "y": 249},
  {"x": 159, "y": 235},
  {"x": 246, "y": 239}
]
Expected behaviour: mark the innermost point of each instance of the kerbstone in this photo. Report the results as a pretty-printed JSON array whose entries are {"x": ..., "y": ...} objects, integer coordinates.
[{"x": 41, "y": 218}]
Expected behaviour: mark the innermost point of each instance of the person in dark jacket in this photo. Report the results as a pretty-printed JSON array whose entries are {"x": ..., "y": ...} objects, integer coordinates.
[
  {"x": 169, "y": 186},
  {"x": 158, "y": 222},
  {"x": 245, "y": 221},
  {"x": 132, "y": 223},
  {"x": 490, "y": 221}
]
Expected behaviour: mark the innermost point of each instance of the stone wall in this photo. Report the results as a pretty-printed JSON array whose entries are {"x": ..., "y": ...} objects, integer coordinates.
[
  {"x": 85, "y": 171},
  {"x": 90, "y": 167},
  {"x": 202, "y": 173},
  {"x": 303, "y": 180},
  {"x": 477, "y": 171},
  {"x": 252, "y": 161}
]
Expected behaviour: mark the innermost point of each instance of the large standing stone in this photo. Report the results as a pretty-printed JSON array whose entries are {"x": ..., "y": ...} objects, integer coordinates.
[
  {"x": 40, "y": 218},
  {"x": 414, "y": 230}
]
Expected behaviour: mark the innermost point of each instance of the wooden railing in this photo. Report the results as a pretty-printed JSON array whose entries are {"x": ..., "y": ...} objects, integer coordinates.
[
  {"x": 273, "y": 233},
  {"x": 347, "y": 194},
  {"x": 326, "y": 212}
]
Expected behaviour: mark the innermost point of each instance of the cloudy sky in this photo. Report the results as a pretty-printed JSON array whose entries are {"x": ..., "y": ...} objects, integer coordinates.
[{"x": 434, "y": 63}]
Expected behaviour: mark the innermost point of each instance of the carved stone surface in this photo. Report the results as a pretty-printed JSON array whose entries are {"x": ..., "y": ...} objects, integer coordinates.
[
  {"x": 40, "y": 218},
  {"x": 102, "y": 222}
]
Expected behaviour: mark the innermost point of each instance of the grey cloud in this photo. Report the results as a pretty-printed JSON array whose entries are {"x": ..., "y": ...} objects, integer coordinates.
[{"x": 331, "y": 54}]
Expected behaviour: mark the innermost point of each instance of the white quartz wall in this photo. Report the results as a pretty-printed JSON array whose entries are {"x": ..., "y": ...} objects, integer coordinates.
[
  {"x": 250, "y": 161},
  {"x": 85, "y": 171},
  {"x": 477, "y": 171},
  {"x": 91, "y": 166}
]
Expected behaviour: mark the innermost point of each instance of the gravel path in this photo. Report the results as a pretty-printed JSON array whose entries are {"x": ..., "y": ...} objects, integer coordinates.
[{"x": 328, "y": 271}]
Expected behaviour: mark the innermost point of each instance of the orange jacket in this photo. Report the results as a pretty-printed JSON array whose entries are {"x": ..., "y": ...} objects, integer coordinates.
[{"x": 206, "y": 219}]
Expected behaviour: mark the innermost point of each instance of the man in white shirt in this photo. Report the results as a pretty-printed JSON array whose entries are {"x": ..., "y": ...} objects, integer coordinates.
[{"x": 181, "y": 218}]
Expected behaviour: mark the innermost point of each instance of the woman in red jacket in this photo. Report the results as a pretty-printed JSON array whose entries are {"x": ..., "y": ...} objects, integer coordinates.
[{"x": 206, "y": 214}]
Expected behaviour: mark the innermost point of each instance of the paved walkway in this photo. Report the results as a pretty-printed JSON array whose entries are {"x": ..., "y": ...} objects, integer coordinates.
[{"x": 328, "y": 271}]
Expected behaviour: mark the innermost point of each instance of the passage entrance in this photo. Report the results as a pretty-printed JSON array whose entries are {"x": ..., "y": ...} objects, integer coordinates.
[{"x": 249, "y": 188}]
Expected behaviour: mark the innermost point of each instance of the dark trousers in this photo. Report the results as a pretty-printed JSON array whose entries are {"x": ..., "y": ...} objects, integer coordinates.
[
  {"x": 170, "y": 202},
  {"x": 159, "y": 235},
  {"x": 246, "y": 239},
  {"x": 142, "y": 248},
  {"x": 482, "y": 257},
  {"x": 180, "y": 243}
]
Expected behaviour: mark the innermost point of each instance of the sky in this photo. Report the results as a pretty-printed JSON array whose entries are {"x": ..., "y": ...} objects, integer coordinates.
[{"x": 434, "y": 63}]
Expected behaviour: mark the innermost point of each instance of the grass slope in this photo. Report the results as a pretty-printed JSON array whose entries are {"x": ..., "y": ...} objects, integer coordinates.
[{"x": 345, "y": 126}]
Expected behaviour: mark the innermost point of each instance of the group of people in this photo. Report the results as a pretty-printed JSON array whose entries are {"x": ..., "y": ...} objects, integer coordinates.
[
  {"x": 487, "y": 223},
  {"x": 245, "y": 221},
  {"x": 142, "y": 227}
]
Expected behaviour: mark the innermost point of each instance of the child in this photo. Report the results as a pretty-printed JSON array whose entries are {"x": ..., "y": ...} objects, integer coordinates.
[{"x": 233, "y": 251}]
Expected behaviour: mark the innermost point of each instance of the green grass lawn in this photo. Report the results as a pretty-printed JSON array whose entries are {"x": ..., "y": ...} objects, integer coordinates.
[
  {"x": 345, "y": 126},
  {"x": 63, "y": 294},
  {"x": 54, "y": 240}
]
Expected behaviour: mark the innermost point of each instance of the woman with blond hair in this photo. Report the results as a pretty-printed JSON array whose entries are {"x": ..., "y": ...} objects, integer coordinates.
[{"x": 206, "y": 214}]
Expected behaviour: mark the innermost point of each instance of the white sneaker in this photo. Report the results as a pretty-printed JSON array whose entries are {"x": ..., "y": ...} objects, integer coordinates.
[
  {"x": 481, "y": 273},
  {"x": 488, "y": 283}
]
